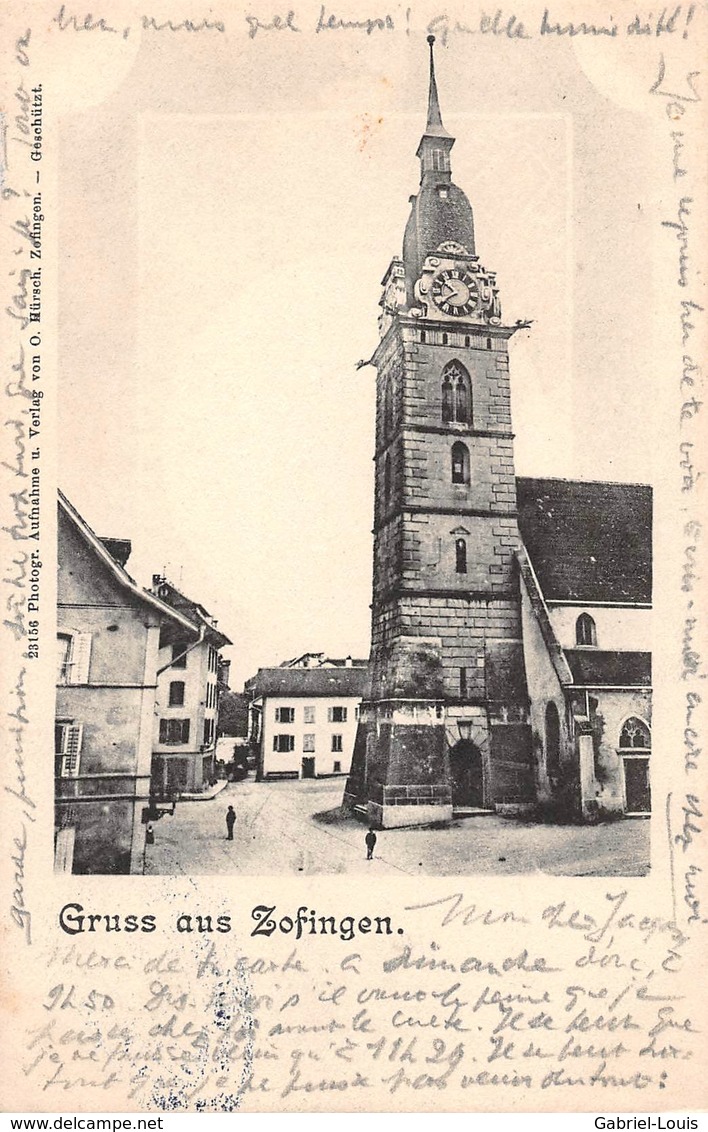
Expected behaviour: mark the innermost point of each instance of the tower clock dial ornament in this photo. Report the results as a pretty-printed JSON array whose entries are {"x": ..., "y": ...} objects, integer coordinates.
[{"x": 455, "y": 292}]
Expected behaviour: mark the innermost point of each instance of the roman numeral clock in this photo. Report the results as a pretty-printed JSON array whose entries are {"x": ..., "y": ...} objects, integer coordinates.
[{"x": 454, "y": 285}]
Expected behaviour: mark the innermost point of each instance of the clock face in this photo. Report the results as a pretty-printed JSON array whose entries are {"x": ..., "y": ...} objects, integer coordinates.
[{"x": 454, "y": 292}]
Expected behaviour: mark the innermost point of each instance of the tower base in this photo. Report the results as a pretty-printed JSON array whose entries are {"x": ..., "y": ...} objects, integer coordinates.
[{"x": 399, "y": 767}]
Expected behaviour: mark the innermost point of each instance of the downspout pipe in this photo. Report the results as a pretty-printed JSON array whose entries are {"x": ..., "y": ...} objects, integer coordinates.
[{"x": 197, "y": 643}]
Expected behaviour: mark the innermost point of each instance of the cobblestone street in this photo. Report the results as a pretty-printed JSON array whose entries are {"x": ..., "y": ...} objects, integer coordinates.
[{"x": 296, "y": 827}]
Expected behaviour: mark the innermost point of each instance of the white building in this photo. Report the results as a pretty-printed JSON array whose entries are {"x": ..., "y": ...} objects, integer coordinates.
[
  {"x": 303, "y": 719},
  {"x": 186, "y": 699}
]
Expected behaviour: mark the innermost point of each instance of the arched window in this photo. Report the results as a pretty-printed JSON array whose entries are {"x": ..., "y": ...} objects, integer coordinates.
[
  {"x": 460, "y": 463},
  {"x": 448, "y": 401},
  {"x": 460, "y": 556},
  {"x": 462, "y": 401},
  {"x": 585, "y": 632},
  {"x": 552, "y": 739},
  {"x": 456, "y": 394},
  {"x": 635, "y": 735}
]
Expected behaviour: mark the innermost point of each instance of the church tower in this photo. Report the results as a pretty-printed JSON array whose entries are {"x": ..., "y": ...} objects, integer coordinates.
[{"x": 445, "y": 725}]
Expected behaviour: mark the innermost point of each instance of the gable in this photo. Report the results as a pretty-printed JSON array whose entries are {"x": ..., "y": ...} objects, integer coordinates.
[{"x": 82, "y": 578}]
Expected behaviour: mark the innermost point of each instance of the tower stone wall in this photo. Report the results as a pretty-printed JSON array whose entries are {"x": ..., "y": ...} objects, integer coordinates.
[{"x": 445, "y": 725}]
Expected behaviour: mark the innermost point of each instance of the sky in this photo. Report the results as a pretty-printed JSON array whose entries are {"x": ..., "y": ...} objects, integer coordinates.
[{"x": 225, "y": 221}]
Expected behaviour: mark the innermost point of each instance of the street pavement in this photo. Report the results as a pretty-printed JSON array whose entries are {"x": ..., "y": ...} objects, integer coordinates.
[{"x": 292, "y": 827}]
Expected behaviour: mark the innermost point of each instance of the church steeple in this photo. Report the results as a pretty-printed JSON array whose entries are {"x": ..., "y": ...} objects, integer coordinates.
[
  {"x": 436, "y": 143},
  {"x": 440, "y": 212},
  {"x": 435, "y": 125}
]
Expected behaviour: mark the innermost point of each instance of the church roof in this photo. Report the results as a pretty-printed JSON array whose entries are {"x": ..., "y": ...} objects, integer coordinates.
[
  {"x": 588, "y": 541},
  {"x": 594, "y": 668}
]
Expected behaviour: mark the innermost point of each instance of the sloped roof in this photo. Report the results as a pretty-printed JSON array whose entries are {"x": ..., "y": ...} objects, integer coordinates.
[
  {"x": 309, "y": 682},
  {"x": 594, "y": 668},
  {"x": 194, "y": 611},
  {"x": 100, "y": 550},
  {"x": 588, "y": 541}
]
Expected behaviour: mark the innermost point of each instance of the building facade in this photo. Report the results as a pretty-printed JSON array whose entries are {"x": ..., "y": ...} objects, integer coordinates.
[
  {"x": 187, "y": 699},
  {"x": 108, "y": 638},
  {"x": 303, "y": 717},
  {"x": 469, "y": 667}
]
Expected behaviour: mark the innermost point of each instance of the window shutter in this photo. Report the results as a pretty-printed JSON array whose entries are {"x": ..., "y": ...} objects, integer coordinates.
[
  {"x": 275, "y": 742},
  {"x": 64, "y": 850},
  {"x": 73, "y": 734},
  {"x": 330, "y": 715},
  {"x": 80, "y": 658},
  {"x": 185, "y": 730}
]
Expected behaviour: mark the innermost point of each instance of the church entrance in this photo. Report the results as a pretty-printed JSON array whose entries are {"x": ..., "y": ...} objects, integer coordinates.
[
  {"x": 466, "y": 775},
  {"x": 636, "y": 785}
]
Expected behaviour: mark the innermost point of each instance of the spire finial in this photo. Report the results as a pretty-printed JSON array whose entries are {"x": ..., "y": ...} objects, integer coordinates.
[{"x": 434, "y": 116}]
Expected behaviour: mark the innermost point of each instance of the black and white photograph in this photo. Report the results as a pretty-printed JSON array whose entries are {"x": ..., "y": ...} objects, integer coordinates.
[
  {"x": 353, "y": 548},
  {"x": 492, "y": 712}
]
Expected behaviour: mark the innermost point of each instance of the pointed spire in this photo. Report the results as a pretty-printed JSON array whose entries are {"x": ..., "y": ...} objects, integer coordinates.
[
  {"x": 434, "y": 125},
  {"x": 436, "y": 143}
]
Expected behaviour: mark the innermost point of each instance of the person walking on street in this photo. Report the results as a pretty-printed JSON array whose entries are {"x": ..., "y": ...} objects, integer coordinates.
[
  {"x": 370, "y": 842},
  {"x": 230, "y": 822}
]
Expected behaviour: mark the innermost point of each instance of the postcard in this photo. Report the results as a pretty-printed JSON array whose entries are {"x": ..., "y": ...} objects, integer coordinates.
[{"x": 354, "y": 551}]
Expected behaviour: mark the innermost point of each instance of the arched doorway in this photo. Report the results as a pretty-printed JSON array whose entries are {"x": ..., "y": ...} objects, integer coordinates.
[{"x": 466, "y": 775}]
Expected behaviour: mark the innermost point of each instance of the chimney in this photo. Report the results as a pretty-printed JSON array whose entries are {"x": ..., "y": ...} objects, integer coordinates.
[{"x": 347, "y": 662}]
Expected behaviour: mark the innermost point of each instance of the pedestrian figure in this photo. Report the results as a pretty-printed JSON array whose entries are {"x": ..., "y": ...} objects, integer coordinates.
[
  {"x": 230, "y": 822},
  {"x": 370, "y": 842}
]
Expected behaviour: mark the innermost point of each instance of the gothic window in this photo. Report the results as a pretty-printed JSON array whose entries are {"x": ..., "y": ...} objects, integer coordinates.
[
  {"x": 462, "y": 401},
  {"x": 552, "y": 740},
  {"x": 460, "y": 463},
  {"x": 448, "y": 402},
  {"x": 635, "y": 735},
  {"x": 456, "y": 395},
  {"x": 460, "y": 556},
  {"x": 585, "y": 632}
]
